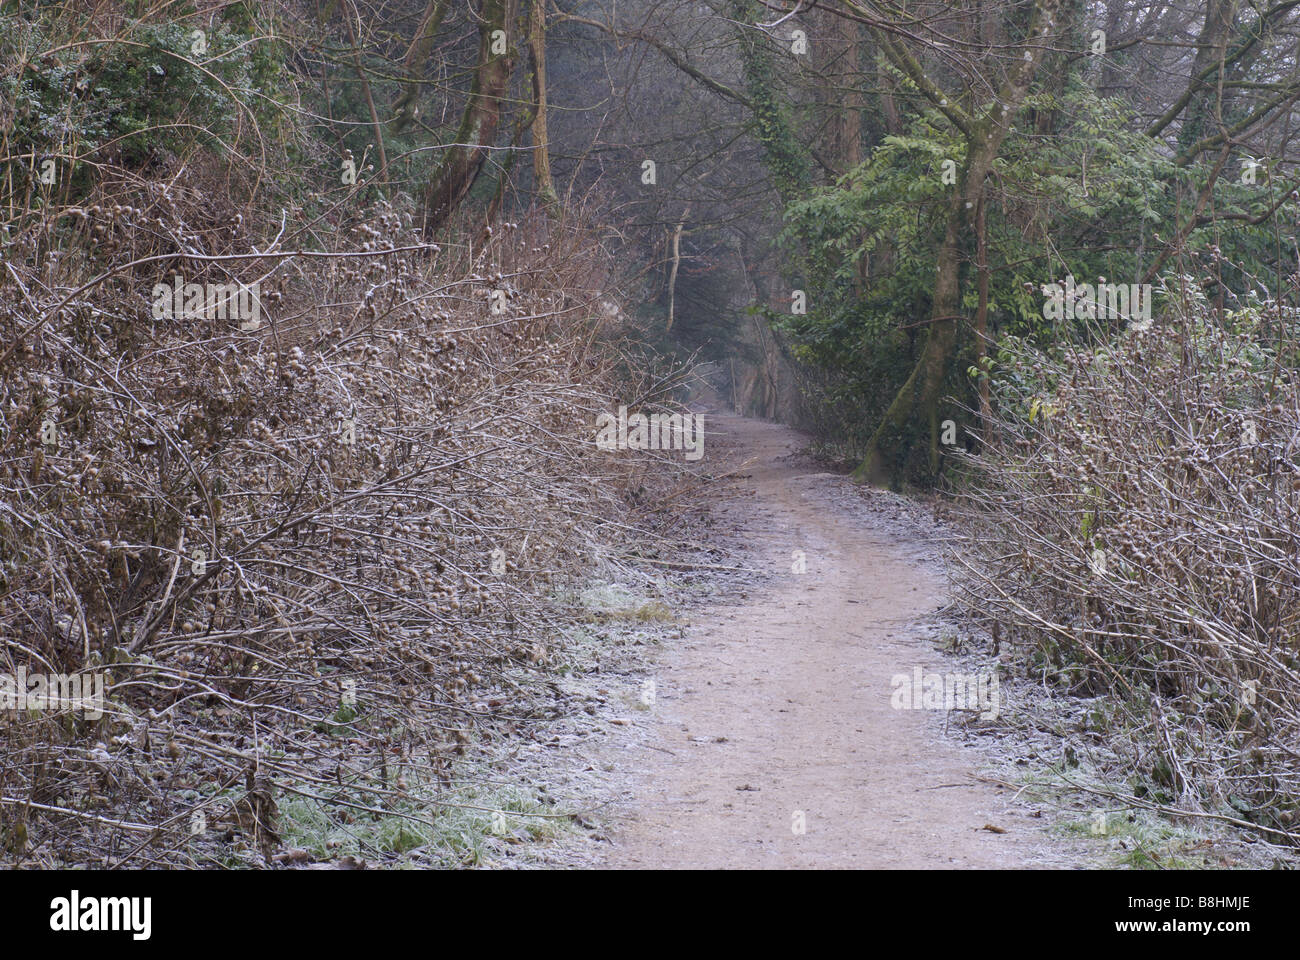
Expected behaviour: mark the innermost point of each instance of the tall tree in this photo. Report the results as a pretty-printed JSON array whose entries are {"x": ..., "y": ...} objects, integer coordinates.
[
  {"x": 541, "y": 138},
  {"x": 464, "y": 159},
  {"x": 417, "y": 55},
  {"x": 984, "y": 127}
]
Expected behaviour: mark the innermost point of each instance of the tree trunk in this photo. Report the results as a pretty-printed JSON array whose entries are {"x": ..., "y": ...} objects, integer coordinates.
[
  {"x": 365, "y": 89},
  {"x": 841, "y": 97},
  {"x": 677, "y": 260},
  {"x": 1202, "y": 109},
  {"x": 982, "y": 316},
  {"x": 541, "y": 140},
  {"x": 888, "y": 107},
  {"x": 932, "y": 367},
  {"x": 417, "y": 55},
  {"x": 478, "y": 127},
  {"x": 920, "y": 394}
]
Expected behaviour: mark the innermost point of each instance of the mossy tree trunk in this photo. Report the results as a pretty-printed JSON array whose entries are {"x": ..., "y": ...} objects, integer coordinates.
[
  {"x": 463, "y": 161},
  {"x": 545, "y": 186}
]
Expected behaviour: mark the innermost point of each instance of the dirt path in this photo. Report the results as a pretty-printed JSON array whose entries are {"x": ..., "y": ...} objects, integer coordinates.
[{"x": 782, "y": 703}]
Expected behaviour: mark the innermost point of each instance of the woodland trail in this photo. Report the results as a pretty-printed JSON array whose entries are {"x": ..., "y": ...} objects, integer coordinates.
[{"x": 782, "y": 703}]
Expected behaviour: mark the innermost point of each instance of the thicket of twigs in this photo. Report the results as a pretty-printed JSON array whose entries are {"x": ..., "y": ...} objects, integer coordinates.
[
  {"x": 314, "y": 559},
  {"x": 1134, "y": 535}
]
